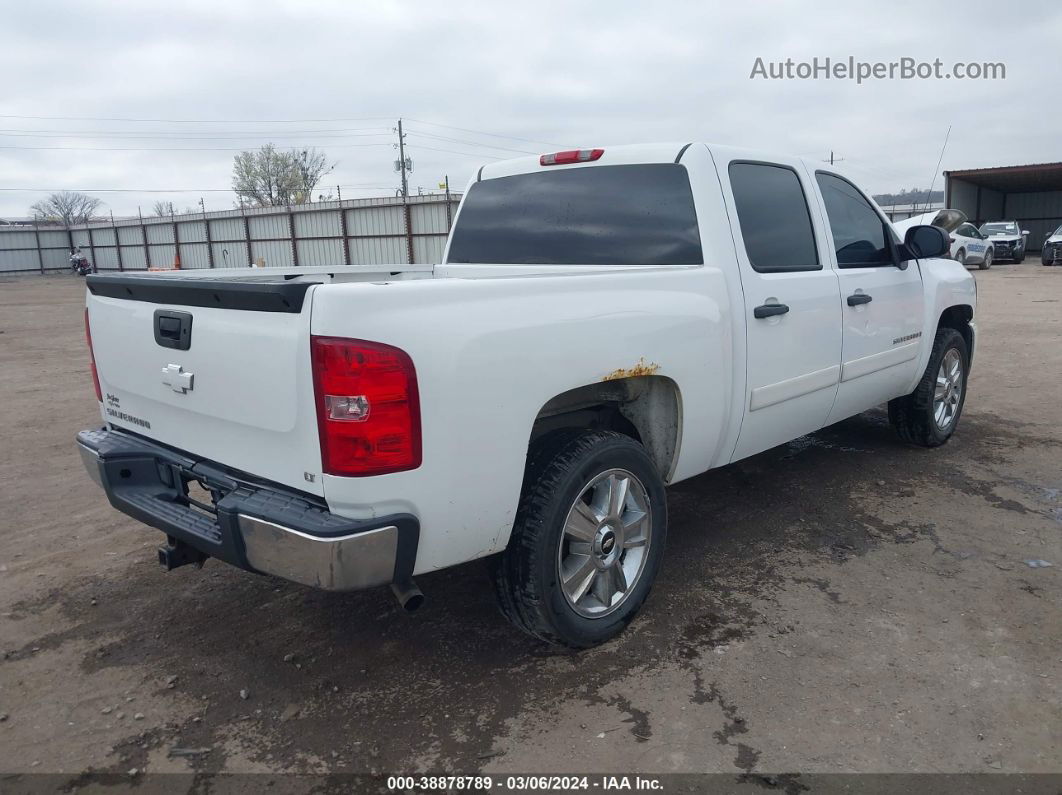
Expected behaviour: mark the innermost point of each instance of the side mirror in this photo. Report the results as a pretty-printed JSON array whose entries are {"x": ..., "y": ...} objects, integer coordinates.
[
  {"x": 1025, "y": 231},
  {"x": 926, "y": 242}
]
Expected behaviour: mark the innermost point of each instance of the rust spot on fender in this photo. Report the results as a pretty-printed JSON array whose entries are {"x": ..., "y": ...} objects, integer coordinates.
[{"x": 641, "y": 368}]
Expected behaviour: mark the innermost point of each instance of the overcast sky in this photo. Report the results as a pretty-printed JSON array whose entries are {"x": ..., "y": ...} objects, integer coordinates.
[{"x": 337, "y": 74}]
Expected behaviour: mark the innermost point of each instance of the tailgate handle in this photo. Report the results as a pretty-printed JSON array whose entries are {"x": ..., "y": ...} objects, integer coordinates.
[{"x": 173, "y": 329}]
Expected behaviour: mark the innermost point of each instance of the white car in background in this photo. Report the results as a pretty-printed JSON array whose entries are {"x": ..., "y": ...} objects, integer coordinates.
[
  {"x": 1008, "y": 239},
  {"x": 970, "y": 247},
  {"x": 1051, "y": 254}
]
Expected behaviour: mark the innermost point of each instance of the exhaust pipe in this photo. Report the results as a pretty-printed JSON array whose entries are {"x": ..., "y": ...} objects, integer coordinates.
[{"x": 408, "y": 595}]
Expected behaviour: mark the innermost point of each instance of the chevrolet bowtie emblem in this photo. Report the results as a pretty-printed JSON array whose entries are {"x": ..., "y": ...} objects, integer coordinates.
[{"x": 175, "y": 377}]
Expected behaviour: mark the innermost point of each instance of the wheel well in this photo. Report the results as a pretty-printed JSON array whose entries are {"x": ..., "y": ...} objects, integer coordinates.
[
  {"x": 646, "y": 408},
  {"x": 958, "y": 318}
]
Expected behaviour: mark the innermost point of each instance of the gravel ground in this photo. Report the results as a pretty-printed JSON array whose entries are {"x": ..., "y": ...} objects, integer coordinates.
[{"x": 842, "y": 603}]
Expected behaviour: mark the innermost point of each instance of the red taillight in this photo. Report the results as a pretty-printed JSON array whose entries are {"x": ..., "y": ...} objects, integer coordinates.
[
  {"x": 571, "y": 156},
  {"x": 368, "y": 407},
  {"x": 92, "y": 359}
]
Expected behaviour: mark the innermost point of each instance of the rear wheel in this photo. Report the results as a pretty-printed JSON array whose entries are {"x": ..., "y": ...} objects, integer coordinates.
[
  {"x": 986, "y": 263},
  {"x": 928, "y": 416},
  {"x": 587, "y": 541}
]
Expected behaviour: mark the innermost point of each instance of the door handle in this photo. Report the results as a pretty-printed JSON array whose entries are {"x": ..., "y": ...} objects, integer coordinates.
[
  {"x": 770, "y": 310},
  {"x": 859, "y": 298}
]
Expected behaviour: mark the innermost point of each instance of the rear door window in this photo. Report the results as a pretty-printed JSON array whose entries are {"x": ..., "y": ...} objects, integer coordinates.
[
  {"x": 640, "y": 214},
  {"x": 775, "y": 222}
]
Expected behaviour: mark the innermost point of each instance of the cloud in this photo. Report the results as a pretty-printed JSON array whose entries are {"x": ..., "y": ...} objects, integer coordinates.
[{"x": 571, "y": 73}]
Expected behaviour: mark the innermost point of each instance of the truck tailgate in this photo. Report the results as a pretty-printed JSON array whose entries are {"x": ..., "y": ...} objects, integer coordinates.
[{"x": 238, "y": 391}]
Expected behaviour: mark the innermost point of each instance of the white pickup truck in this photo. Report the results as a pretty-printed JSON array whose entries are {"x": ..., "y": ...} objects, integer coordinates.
[{"x": 605, "y": 322}]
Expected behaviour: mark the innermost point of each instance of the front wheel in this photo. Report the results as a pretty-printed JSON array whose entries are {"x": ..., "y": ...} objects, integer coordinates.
[
  {"x": 960, "y": 256},
  {"x": 928, "y": 416},
  {"x": 986, "y": 263},
  {"x": 587, "y": 540}
]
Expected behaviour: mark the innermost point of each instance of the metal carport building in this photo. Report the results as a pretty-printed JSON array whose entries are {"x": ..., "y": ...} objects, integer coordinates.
[{"x": 1031, "y": 195}]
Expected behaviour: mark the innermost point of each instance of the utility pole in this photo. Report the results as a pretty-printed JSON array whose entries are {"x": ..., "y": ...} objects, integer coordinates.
[
  {"x": 449, "y": 217},
  {"x": 117, "y": 243},
  {"x": 339, "y": 192},
  {"x": 832, "y": 159},
  {"x": 402, "y": 159},
  {"x": 206, "y": 233},
  {"x": 406, "y": 214}
]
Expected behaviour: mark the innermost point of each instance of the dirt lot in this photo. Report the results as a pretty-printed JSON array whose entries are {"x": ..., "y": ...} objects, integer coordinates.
[{"x": 841, "y": 603}]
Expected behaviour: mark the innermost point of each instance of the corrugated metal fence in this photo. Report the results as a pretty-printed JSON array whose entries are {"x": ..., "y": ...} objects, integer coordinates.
[{"x": 350, "y": 232}]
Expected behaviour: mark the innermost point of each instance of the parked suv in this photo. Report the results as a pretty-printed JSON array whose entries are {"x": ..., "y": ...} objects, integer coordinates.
[
  {"x": 970, "y": 247},
  {"x": 1007, "y": 238},
  {"x": 605, "y": 322},
  {"x": 1051, "y": 254}
]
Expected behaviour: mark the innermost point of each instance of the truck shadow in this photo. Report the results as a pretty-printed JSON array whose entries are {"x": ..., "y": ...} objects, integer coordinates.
[{"x": 352, "y": 674}]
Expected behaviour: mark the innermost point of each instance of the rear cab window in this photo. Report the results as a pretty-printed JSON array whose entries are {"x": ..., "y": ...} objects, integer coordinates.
[
  {"x": 640, "y": 214},
  {"x": 774, "y": 217}
]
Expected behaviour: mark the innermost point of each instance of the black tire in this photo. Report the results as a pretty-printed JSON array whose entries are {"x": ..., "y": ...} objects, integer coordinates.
[
  {"x": 960, "y": 256},
  {"x": 1045, "y": 258},
  {"x": 526, "y": 576},
  {"x": 986, "y": 261},
  {"x": 1019, "y": 258},
  {"x": 912, "y": 415}
]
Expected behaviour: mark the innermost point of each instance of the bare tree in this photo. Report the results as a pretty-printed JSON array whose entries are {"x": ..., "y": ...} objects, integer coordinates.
[
  {"x": 66, "y": 207},
  {"x": 264, "y": 178},
  {"x": 163, "y": 209},
  {"x": 271, "y": 178},
  {"x": 310, "y": 166}
]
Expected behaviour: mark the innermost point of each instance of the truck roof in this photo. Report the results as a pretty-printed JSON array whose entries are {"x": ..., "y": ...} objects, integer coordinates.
[
  {"x": 665, "y": 152},
  {"x": 614, "y": 155}
]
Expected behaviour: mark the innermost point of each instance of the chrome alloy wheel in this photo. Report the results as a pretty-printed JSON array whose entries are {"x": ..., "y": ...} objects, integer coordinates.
[
  {"x": 948, "y": 390},
  {"x": 605, "y": 543}
]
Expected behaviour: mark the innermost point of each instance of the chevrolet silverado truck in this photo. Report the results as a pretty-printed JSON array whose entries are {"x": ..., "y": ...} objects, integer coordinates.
[{"x": 604, "y": 323}]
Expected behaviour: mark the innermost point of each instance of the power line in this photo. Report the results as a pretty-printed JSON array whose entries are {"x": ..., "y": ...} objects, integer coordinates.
[
  {"x": 221, "y": 149},
  {"x": 185, "y": 133},
  {"x": 196, "y": 121},
  {"x": 469, "y": 143},
  {"x": 168, "y": 149},
  {"x": 272, "y": 121},
  {"x": 131, "y": 137},
  {"x": 163, "y": 190},
  {"x": 482, "y": 132},
  {"x": 454, "y": 152}
]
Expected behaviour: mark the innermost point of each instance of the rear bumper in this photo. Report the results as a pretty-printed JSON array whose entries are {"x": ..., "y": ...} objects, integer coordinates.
[{"x": 256, "y": 526}]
